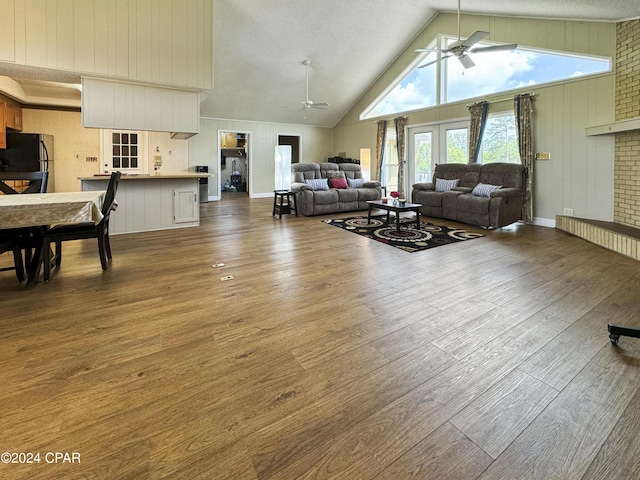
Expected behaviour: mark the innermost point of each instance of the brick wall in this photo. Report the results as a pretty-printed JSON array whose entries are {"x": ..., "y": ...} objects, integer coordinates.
[
  {"x": 626, "y": 179},
  {"x": 627, "y": 144}
]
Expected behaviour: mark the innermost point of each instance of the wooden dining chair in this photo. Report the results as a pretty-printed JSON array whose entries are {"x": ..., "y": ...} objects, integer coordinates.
[
  {"x": 9, "y": 242},
  {"x": 37, "y": 182},
  {"x": 79, "y": 231},
  {"x": 19, "y": 239}
]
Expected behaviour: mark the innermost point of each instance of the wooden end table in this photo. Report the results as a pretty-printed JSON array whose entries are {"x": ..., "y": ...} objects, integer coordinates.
[
  {"x": 284, "y": 202},
  {"x": 390, "y": 207}
]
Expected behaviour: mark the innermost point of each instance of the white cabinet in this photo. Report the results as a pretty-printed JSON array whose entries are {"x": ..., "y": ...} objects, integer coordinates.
[{"x": 185, "y": 205}]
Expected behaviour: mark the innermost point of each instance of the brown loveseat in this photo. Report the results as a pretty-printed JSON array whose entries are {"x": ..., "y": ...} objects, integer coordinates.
[
  {"x": 475, "y": 199},
  {"x": 311, "y": 200}
]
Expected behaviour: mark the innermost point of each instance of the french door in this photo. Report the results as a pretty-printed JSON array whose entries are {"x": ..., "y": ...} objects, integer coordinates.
[{"x": 428, "y": 145}]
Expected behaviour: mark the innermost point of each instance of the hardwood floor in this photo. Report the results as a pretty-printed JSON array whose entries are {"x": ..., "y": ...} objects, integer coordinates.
[{"x": 327, "y": 355}]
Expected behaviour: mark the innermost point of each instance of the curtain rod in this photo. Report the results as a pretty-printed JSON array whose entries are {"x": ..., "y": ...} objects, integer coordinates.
[{"x": 502, "y": 99}]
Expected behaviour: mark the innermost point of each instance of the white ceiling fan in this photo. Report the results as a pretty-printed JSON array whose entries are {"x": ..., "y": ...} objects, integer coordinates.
[
  {"x": 461, "y": 48},
  {"x": 307, "y": 104}
]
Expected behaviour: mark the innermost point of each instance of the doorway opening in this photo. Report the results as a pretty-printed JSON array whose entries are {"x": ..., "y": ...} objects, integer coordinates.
[
  {"x": 294, "y": 142},
  {"x": 235, "y": 163}
]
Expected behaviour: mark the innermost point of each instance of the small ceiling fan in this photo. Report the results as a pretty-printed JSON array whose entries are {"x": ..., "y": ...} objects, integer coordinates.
[
  {"x": 307, "y": 104},
  {"x": 461, "y": 48}
]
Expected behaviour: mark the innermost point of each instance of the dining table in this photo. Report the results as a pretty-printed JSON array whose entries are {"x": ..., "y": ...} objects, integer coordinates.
[{"x": 44, "y": 210}]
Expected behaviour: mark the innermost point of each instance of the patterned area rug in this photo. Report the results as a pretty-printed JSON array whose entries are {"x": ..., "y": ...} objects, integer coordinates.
[{"x": 410, "y": 239}]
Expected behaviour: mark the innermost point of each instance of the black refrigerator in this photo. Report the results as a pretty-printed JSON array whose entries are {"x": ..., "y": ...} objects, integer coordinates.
[{"x": 27, "y": 152}]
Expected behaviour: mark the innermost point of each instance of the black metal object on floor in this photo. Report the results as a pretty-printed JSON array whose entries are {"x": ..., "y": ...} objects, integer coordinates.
[{"x": 616, "y": 331}]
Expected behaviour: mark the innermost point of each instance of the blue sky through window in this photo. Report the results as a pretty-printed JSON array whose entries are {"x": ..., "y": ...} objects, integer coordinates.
[{"x": 494, "y": 72}]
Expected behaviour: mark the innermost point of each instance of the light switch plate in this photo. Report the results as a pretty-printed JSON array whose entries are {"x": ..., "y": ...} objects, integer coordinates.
[{"x": 543, "y": 156}]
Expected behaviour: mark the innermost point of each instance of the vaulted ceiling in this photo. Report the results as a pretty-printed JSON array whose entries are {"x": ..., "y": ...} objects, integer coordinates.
[{"x": 259, "y": 47}]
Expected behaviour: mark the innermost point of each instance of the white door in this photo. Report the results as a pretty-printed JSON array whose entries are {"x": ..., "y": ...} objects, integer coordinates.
[
  {"x": 124, "y": 151},
  {"x": 421, "y": 154},
  {"x": 454, "y": 139},
  {"x": 429, "y": 145}
]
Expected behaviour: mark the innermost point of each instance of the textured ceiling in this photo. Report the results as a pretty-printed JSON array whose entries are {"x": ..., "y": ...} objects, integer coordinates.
[{"x": 259, "y": 47}]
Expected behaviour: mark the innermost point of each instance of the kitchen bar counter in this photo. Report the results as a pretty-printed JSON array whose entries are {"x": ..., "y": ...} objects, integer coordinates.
[
  {"x": 160, "y": 176},
  {"x": 151, "y": 202}
]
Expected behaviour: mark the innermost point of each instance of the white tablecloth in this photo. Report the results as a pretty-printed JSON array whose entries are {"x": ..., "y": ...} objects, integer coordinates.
[{"x": 29, "y": 210}]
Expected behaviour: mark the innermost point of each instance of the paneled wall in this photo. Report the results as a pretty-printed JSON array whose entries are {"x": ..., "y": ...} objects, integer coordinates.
[
  {"x": 7, "y": 32},
  {"x": 130, "y": 106},
  {"x": 153, "y": 41},
  {"x": 316, "y": 145},
  {"x": 580, "y": 173}
]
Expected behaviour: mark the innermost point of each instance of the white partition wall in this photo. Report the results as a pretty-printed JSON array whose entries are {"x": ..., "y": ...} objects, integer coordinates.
[
  {"x": 133, "y": 106},
  {"x": 283, "y": 167}
]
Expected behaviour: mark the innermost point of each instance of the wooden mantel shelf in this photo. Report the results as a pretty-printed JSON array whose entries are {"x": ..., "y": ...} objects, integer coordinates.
[{"x": 615, "y": 127}]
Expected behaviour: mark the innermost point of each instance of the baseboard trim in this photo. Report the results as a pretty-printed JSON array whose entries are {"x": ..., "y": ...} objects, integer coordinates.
[
  {"x": 544, "y": 222},
  {"x": 261, "y": 195}
]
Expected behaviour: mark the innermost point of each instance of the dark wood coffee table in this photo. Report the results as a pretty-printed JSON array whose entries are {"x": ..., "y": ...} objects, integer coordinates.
[{"x": 390, "y": 207}]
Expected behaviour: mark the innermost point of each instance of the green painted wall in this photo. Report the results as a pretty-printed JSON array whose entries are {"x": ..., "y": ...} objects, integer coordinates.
[{"x": 580, "y": 172}]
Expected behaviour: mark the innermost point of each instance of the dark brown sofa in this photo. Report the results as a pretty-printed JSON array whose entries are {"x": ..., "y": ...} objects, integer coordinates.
[{"x": 462, "y": 203}]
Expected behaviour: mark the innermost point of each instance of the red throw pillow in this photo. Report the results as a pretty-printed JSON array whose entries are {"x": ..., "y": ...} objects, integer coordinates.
[{"x": 338, "y": 182}]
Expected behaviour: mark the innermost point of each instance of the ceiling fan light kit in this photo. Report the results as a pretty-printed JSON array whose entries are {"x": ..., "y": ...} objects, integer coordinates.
[{"x": 460, "y": 48}]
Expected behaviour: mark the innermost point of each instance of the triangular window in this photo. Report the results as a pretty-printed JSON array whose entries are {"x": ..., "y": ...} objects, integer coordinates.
[{"x": 448, "y": 81}]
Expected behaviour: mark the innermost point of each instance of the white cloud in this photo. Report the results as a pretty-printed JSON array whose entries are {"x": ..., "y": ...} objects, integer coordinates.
[
  {"x": 408, "y": 97},
  {"x": 494, "y": 72}
]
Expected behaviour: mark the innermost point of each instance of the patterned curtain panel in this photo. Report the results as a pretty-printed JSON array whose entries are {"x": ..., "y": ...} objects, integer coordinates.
[
  {"x": 478, "y": 112},
  {"x": 380, "y": 140},
  {"x": 399, "y": 123},
  {"x": 523, "y": 110}
]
